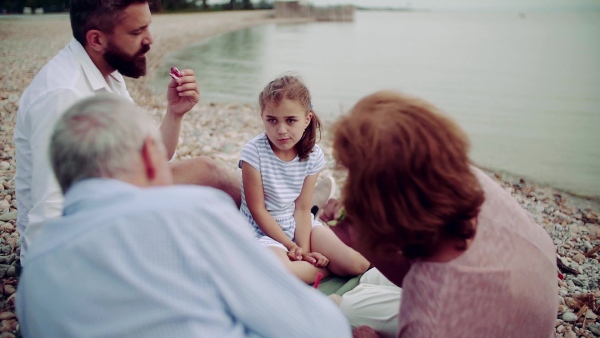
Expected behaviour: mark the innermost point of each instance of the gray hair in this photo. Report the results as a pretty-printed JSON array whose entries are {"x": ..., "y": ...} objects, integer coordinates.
[{"x": 101, "y": 136}]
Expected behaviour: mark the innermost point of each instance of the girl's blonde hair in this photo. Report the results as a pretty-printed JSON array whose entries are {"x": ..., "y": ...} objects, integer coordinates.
[
  {"x": 291, "y": 87},
  {"x": 409, "y": 185}
]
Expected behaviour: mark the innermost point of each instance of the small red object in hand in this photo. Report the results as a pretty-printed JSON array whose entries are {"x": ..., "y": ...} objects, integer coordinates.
[{"x": 175, "y": 73}]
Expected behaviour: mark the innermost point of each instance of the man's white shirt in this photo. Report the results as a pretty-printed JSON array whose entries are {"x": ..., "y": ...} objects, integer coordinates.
[{"x": 67, "y": 78}]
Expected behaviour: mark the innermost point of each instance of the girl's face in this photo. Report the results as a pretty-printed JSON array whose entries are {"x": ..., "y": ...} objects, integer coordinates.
[{"x": 285, "y": 124}]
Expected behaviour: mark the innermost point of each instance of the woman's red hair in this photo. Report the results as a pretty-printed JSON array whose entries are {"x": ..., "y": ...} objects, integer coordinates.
[{"x": 409, "y": 184}]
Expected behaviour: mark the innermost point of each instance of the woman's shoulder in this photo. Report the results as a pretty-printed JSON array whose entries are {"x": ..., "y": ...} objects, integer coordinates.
[{"x": 503, "y": 214}]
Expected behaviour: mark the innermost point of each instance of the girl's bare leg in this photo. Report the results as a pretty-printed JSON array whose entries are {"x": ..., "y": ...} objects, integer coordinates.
[
  {"x": 302, "y": 269},
  {"x": 343, "y": 260}
]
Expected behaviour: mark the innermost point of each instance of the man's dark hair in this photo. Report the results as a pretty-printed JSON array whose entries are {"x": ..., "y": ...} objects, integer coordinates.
[{"x": 102, "y": 15}]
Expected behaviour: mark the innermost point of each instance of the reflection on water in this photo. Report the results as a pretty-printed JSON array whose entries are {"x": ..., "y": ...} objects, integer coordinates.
[{"x": 526, "y": 89}]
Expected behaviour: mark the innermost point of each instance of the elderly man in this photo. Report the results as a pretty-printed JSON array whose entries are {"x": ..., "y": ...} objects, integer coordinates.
[{"x": 133, "y": 256}]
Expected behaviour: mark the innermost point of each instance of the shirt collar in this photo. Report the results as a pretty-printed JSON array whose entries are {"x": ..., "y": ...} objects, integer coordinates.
[
  {"x": 92, "y": 73},
  {"x": 89, "y": 192}
]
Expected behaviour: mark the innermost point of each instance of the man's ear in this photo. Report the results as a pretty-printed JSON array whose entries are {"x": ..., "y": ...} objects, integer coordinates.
[
  {"x": 150, "y": 158},
  {"x": 96, "y": 39}
]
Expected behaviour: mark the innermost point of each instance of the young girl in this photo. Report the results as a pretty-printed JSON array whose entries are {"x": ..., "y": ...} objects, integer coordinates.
[{"x": 279, "y": 171}]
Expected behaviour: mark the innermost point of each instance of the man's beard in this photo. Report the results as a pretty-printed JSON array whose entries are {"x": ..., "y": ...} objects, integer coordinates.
[{"x": 130, "y": 66}]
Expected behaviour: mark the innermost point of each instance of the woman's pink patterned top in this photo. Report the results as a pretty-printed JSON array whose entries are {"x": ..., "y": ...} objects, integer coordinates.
[{"x": 504, "y": 285}]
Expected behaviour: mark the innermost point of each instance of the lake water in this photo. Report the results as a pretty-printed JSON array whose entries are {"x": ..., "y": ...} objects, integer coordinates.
[{"x": 526, "y": 88}]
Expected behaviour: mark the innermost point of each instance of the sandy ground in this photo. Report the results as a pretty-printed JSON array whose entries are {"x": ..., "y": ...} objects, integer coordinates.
[{"x": 219, "y": 131}]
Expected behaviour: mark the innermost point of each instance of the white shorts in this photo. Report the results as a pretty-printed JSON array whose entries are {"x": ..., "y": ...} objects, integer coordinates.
[
  {"x": 268, "y": 241},
  {"x": 374, "y": 302}
]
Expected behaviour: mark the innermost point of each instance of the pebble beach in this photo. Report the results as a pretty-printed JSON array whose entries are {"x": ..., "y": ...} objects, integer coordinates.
[{"x": 220, "y": 130}]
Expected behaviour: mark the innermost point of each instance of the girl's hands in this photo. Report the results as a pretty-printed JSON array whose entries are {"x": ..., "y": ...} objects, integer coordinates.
[
  {"x": 295, "y": 253},
  {"x": 316, "y": 259}
]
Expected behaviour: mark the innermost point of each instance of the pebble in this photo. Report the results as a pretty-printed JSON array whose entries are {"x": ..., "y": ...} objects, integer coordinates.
[
  {"x": 10, "y": 216},
  {"x": 4, "y": 165},
  {"x": 570, "y": 334},
  {"x": 7, "y": 325},
  {"x": 595, "y": 328},
  {"x": 11, "y": 300},
  {"x": 579, "y": 258},
  {"x": 3, "y": 269},
  {"x": 564, "y": 260},
  {"x": 7, "y": 259},
  {"x": 9, "y": 289},
  {"x": 569, "y": 317},
  {"x": 577, "y": 282},
  {"x": 4, "y": 204},
  {"x": 570, "y": 302}
]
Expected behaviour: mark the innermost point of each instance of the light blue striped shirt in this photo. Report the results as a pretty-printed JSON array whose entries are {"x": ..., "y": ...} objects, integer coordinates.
[
  {"x": 282, "y": 181},
  {"x": 161, "y": 262}
]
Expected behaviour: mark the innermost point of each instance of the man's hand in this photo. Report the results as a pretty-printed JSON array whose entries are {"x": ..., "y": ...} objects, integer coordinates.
[
  {"x": 183, "y": 94},
  {"x": 316, "y": 259},
  {"x": 295, "y": 253}
]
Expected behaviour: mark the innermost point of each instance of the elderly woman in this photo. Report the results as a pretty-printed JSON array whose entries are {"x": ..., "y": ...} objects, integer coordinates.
[{"x": 470, "y": 260}]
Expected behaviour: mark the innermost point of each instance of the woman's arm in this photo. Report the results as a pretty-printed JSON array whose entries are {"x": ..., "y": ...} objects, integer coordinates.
[
  {"x": 302, "y": 213},
  {"x": 393, "y": 266},
  {"x": 255, "y": 199}
]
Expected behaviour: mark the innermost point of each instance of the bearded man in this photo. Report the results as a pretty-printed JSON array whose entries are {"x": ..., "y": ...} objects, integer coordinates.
[{"x": 110, "y": 40}]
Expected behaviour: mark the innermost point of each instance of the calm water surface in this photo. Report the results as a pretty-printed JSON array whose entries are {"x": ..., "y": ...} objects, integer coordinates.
[{"x": 526, "y": 89}]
